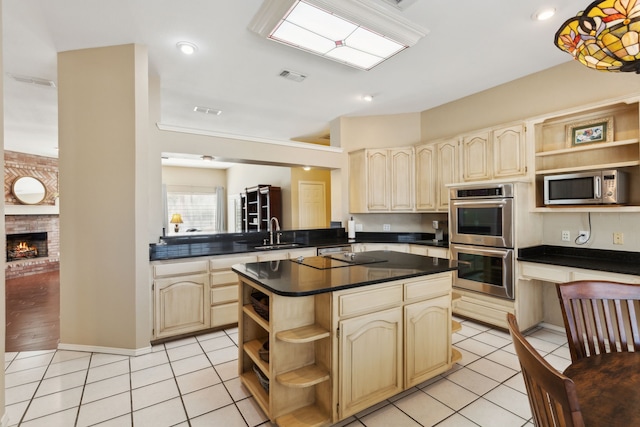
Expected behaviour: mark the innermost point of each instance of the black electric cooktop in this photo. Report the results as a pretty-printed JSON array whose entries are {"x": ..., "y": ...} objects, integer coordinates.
[{"x": 347, "y": 259}]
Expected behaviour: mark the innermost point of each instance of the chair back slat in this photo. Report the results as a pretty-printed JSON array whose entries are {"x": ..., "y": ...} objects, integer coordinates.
[
  {"x": 552, "y": 395},
  {"x": 600, "y": 317}
]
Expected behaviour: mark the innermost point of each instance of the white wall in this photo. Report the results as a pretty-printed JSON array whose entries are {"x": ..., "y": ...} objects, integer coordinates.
[{"x": 242, "y": 176}]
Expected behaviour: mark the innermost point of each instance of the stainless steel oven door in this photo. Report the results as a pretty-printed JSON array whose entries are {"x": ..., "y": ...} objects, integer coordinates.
[
  {"x": 486, "y": 222},
  {"x": 485, "y": 270}
]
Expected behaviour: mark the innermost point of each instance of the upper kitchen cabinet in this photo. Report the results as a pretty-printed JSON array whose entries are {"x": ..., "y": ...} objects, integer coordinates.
[
  {"x": 604, "y": 136},
  {"x": 436, "y": 166},
  {"x": 494, "y": 154},
  {"x": 381, "y": 180}
]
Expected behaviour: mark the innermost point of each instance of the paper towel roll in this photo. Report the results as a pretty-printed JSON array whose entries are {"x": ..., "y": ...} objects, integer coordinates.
[{"x": 351, "y": 229}]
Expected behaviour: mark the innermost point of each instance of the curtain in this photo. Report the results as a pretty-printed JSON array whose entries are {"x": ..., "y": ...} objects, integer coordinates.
[{"x": 221, "y": 212}]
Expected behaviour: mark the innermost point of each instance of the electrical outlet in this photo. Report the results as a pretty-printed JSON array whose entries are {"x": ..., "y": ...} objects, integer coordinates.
[
  {"x": 359, "y": 227},
  {"x": 386, "y": 227},
  {"x": 566, "y": 235},
  {"x": 618, "y": 238},
  {"x": 583, "y": 237}
]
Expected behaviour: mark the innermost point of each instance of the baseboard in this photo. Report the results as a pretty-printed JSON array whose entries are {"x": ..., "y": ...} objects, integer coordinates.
[
  {"x": 553, "y": 327},
  {"x": 106, "y": 350}
]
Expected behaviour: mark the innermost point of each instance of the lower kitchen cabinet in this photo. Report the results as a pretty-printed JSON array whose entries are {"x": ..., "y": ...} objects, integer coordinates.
[
  {"x": 181, "y": 304},
  {"x": 334, "y": 354},
  {"x": 369, "y": 343},
  {"x": 427, "y": 348}
]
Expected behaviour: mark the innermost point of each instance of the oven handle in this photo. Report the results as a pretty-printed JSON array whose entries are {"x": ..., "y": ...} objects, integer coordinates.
[
  {"x": 478, "y": 250},
  {"x": 480, "y": 202}
]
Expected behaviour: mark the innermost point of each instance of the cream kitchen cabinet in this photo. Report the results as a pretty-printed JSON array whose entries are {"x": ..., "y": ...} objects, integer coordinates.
[
  {"x": 381, "y": 180},
  {"x": 396, "y": 247},
  {"x": 368, "y": 343},
  {"x": 181, "y": 298},
  {"x": 224, "y": 288},
  {"x": 436, "y": 166},
  {"x": 494, "y": 154},
  {"x": 277, "y": 255},
  {"x": 429, "y": 251}
]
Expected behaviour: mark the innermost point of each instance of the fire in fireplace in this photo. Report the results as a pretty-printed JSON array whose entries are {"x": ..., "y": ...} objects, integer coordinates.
[{"x": 26, "y": 245}]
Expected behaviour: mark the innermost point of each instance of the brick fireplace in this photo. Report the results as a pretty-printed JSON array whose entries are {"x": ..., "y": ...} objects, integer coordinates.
[
  {"x": 38, "y": 224},
  {"x": 30, "y": 219}
]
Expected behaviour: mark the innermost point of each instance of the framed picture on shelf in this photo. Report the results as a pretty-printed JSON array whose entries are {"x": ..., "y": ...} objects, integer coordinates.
[{"x": 590, "y": 131}]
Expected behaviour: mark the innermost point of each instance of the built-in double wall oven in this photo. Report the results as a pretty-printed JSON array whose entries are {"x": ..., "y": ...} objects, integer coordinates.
[{"x": 481, "y": 233}]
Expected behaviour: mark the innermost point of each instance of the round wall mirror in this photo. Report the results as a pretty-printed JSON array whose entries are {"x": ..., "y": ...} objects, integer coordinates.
[{"x": 28, "y": 190}]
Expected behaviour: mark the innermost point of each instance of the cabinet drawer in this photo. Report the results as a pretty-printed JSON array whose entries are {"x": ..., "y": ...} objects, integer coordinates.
[
  {"x": 547, "y": 274},
  {"x": 369, "y": 300},
  {"x": 225, "y": 262},
  {"x": 426, "y": 288},
  {"x": 224, "y": 294},
  {"x": 224, "y": 314},
  {"x": 223, "y": 278},
  {"x": 188, "y": 267}
]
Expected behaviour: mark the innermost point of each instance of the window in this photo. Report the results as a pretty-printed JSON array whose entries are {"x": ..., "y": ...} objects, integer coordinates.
[{"x": 197, "y": 205}]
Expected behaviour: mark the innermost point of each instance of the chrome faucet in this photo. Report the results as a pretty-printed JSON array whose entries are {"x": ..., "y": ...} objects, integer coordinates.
[{"x": 278, "y": 234}]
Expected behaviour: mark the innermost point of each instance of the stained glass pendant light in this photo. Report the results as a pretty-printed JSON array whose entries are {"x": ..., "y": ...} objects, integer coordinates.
[{"x": 606, "y": 36}]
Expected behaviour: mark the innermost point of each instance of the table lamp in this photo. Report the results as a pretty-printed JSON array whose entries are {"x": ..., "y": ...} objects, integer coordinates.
[{"x": 176, "y": 219}]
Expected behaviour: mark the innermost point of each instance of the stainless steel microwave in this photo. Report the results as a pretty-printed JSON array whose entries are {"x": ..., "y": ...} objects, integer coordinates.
[{"x": 586, "y": 188}]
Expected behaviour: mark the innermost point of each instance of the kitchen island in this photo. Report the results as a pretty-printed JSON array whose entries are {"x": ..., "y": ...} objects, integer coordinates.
[{"x": 342, "y": 333}]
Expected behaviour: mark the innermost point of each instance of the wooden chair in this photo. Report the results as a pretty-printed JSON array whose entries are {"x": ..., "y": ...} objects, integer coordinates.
[
  {"x": 600, "y": 317},
  {"x": 552, "y": 395}
]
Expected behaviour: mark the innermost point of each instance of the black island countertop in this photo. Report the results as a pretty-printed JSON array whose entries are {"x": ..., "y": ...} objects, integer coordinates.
[
  {"x": 187, "y": 246},
  {"x": 622, "y": 262},
  {"x": 290, "y": 278}
]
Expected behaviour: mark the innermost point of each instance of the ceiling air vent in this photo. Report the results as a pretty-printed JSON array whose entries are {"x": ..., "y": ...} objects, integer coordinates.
[
  {"x": 399, "y": 4},
  {"x": 207, "y": 110},
  {"x": 32, "y": 80},
  {"x": 292, "y": 75}
]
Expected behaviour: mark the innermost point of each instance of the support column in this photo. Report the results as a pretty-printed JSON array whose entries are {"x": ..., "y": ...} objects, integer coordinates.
[{"x": 103, "y": 113}]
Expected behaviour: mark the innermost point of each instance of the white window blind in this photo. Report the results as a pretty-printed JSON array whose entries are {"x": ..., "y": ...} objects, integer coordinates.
[{"x": 197, "y": 205}]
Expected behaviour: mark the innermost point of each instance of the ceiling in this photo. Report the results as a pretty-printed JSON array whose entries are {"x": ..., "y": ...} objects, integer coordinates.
[{"x": 471, "y": 46}]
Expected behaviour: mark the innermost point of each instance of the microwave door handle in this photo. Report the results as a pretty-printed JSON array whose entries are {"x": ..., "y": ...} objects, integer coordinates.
[{"x": 597, "y": 187}]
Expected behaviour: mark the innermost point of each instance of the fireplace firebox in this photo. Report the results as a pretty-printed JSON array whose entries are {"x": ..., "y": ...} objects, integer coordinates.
[{"x": 26, "y": 245}]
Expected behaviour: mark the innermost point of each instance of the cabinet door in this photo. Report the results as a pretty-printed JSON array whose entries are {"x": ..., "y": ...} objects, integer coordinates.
[
  {"x": 509, "y": 152},
  {"x": 370, "y": 361},
  {"x": 181, "y": 304},
  {"x": 425, "y": 178},
  {"x": 428, "y": 339},
  {"x": 475, "y": 157},
  {"x": 377, "y": 180},
  {"x": 401, "y": 179},
  {"x": 447, "y": 172}
]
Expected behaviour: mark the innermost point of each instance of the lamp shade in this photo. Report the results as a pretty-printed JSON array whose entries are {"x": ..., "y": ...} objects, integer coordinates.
[
  {"x": 176, "y": 219},
  {"x": 606, "y": 36}
]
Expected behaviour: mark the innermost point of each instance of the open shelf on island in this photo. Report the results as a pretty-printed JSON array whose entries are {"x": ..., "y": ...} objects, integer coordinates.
[
  {"x": 306, "y": 376},
  {"x": 308, "y": 416},
  {"x": 251, "y": 312},
  {"x": 252, "y": 349},
  {"x": 250, "y": 380},
  {"x": 303, "y": 334}
]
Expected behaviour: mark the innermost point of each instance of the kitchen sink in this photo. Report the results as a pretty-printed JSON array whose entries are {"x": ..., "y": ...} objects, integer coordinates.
[{"x": 277, "y": 246}]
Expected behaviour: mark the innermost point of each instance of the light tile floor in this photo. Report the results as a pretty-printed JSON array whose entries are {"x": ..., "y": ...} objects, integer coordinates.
[{"x": 194, "y": 382}]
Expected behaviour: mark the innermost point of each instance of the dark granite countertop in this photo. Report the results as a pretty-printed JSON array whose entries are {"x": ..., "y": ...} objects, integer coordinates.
[
  {"x": 185, "y": 246},
  {"x": 591, "y": 259},
  {"x": 288, "y": 278}
]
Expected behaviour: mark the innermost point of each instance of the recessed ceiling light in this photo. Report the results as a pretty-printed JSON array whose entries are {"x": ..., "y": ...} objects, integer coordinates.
[
  {"x": 207, "y": 158},
  {"x": 306, "y": 168},
  {"x": 186, "y": 47},
  {"x": 544, "y": 14},
  {"x": 367, "y": 98}
]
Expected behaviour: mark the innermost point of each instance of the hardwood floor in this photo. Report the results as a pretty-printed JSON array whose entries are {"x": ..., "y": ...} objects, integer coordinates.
[{"x": 33, "y": 312}]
